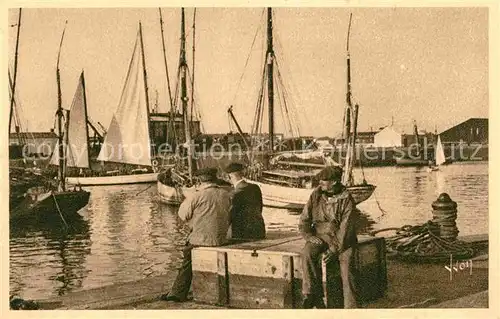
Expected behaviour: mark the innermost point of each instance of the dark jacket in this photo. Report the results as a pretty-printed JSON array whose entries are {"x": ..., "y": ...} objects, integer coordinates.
[
  {"x": 332, "y": 220},
  {"x": 246, "y": 212}
]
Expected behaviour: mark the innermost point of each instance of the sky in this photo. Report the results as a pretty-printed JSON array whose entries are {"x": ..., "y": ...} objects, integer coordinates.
[{"x": 424, "y": 64}]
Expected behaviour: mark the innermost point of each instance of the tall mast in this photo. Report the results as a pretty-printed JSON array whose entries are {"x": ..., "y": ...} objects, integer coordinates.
[
  {"x": 349, "y": 112},
  {"x": 184, "y": 98},
  {"x": 270, "y": 84},
  {"x": 62, "y": 178},
  {"x": 192, "y": 77},
  {"x": 86, "y": 116},
  {"x": 171, "y": 123},
  {"x": 145, "y": 86},
  {"x": 12, "y": 98}
]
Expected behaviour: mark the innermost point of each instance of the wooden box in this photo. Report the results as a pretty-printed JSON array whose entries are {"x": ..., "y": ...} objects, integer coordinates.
[{"x": 267, "y": 273}]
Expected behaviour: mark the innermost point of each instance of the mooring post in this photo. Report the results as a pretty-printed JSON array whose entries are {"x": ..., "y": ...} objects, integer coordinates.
[{"x": 444, "y": 211}]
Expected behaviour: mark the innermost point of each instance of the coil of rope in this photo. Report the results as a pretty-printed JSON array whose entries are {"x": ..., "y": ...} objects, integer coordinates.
[
  {"x": 431, "y": 242},
  {"x": 421, "y": 243}
]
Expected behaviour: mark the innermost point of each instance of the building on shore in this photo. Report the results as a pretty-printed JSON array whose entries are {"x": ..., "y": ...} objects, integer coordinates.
[
  {"x": 33, "y": 143},
  {"x": 159, "y": 123},
  {"x": 471, "y": 131},
  {"x": 388, "y": 137}
]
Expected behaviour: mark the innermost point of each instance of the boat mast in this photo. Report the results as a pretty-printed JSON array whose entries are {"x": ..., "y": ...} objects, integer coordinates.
[
  {"x": 346, "y": 179},
  {"x": 171, "y": 124},
  {"x": 62, "y": 185},
  {"x": 270, "y": 84},
  {"x": 12, "y": 98},
  {"x": 86, "y": 116},
  {"x": 145, "y": 87},
  {"x": 184, "y": 98},
  {"x": 193, "y": 73}
]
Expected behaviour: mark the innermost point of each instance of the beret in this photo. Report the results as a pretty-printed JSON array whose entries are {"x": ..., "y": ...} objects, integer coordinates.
[
  {"x": 330, "y": 173},
  {"x": 234, "y": 167},
  {"x": 207, "y": 171}
]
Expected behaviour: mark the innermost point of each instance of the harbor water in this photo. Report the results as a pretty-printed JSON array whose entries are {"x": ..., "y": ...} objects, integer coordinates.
[{"x": 125, "y": 234}]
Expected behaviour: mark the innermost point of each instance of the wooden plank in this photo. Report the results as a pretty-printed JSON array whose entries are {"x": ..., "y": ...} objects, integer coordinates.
[
  {"x": 222, "y": 279},
  {"x": 204, "y": 259},
  {"x": 262, "y": 264},
  {"x": 256, "y": 292}
]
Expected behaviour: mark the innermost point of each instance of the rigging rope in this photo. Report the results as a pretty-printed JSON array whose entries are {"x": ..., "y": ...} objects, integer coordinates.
[
  {"x": 248, "y": 57},
  {"x": 59, "y": 210}
]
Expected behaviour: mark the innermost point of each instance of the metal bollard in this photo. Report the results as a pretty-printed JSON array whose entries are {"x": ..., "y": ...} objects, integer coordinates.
[{"x": 445, "y": 214}]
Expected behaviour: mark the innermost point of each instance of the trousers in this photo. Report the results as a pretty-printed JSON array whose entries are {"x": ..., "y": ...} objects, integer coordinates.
[
  {"x": 182, "y": 283},
  {"x": 312, "y": 275}
]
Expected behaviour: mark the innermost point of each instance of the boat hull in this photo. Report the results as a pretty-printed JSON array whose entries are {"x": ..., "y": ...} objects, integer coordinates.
[
  {"x": 411, "y": 162},
  {"x": 113, "y": 180},
  {"x": 295, "y": 198},
  {"x": 173, "y": 195},
  {"x": 49, "y": 205},
  {"x": 272, "y": 195}
]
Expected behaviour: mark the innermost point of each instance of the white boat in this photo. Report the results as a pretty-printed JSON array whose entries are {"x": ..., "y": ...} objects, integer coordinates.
[
  {"x": 127, "y": 140},
  {"x": 113, "y": 179},
  {"x": 439, "y": 156}
]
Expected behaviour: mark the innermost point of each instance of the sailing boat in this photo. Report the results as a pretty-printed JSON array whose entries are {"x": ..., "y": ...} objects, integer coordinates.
[
  {"x": 176, "y": 183},
  {"x": 439, "y": 156},
  {"x": 290, "y": 189},
  {"x": 127, "y": 140},
  {"x": 43, "y": 201}
]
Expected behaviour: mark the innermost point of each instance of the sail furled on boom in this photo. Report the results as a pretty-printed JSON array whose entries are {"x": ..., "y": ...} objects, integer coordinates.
[
  {"x": 76, "y": 151},
  {"x": 127, "y": 139}
]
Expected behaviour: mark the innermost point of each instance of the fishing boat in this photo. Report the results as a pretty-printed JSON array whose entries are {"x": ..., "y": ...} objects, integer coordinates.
[
  {"x": 288, "y": 184},
  {"x": 177, "y": 182},
  {"x": 126, "y": 146},
  {"x": 284, "y": 182},
  {"x": 49, "y": 200}
]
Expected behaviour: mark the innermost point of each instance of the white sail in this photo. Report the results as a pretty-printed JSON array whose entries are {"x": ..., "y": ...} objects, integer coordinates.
[
  {"x": 77, "y": 148},
  {"x": 127, "y": 138},
  {"x": 440, "y": 158}
]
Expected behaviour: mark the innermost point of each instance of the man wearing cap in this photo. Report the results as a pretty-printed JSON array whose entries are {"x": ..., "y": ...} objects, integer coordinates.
[
  {"x": 246, "y": 211},
  {"x": 327, "y": 223},
  {"x": 208, "y": 215}
]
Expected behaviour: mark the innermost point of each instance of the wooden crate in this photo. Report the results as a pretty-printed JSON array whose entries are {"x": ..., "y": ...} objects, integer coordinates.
[{"x": 267, "y": 273}]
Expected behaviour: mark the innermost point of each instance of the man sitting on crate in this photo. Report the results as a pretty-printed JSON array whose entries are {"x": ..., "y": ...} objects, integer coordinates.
[
  {"x": 246, "y": 212},
  {"x": 328, "y": 225},
  {"x": 208, "y": 214}
]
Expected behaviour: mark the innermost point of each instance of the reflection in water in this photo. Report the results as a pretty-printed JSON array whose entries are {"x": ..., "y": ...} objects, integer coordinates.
[
  {"x": 125, "y": 234},
  {"x": 49, "y": 257}
]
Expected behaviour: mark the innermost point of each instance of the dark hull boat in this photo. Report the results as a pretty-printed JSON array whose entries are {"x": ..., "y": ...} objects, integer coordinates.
[{"x": 50, "y": 204}]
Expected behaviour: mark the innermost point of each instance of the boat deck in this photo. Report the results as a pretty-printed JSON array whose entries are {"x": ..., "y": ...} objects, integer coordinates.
[{"x": 289, "y": 174}]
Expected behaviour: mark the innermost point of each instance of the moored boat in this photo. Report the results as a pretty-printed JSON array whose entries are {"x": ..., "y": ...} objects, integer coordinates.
[{"x": 127, "y": 140}]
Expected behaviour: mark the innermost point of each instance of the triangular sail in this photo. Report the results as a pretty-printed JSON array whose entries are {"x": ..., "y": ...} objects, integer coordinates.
[
  {"x": 440, "y": 158},
  {"x": 127, "y": 138},
  {"x": 77, "y": 149}
]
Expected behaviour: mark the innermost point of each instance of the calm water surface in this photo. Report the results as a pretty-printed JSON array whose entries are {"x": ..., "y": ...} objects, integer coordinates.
[{"x": 125, "y": 234}]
